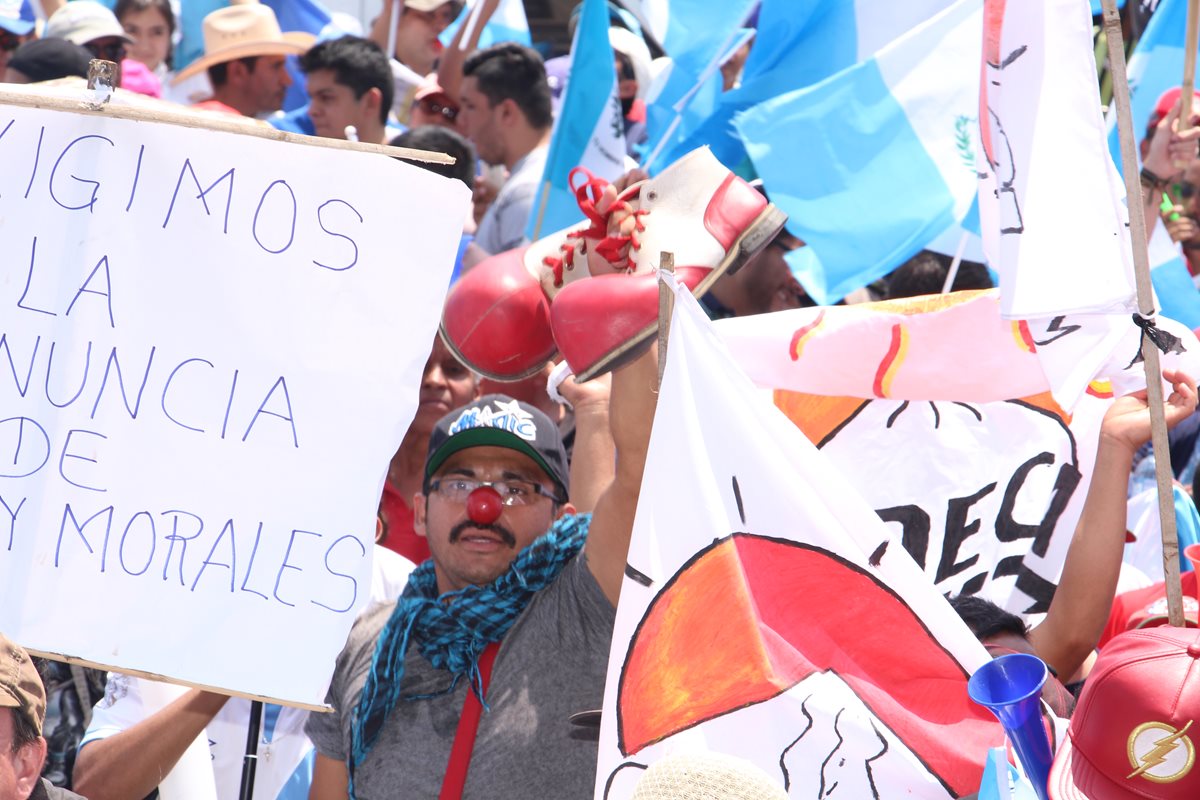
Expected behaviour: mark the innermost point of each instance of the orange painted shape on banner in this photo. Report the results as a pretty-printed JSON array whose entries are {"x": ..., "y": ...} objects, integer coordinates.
[
  {"x": 891, "y": 361},
  {"x": 817, "y": 416},
  {"x": 803, "y": 334},
  {"x": 925, "y": 304},
  {"x": 737, "y": 625},
  {"x": 1023, "y": 337}
]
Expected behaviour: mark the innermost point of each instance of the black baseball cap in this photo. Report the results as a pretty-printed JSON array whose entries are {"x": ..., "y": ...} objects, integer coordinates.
[
  {"x": 498, "y": 420},
  {"x": 50, "y": 59}
]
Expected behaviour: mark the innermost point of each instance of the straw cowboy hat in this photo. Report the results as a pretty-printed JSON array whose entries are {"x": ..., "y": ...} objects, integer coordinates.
[{"x": 239, "y": 31}]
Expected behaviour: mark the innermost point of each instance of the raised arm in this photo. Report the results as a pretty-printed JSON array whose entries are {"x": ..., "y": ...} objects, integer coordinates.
[
  {"x": 450, "y": 65},
  {"x": 634, "y": 396},
  {"x": 130, "y": 764},
  {"x": 1082, "y": 602}
]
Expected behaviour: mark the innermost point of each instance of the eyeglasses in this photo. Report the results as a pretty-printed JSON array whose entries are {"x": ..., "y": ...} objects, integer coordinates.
[
  {"x": 433, "y": 107},
  {"x": 113, "y": 51},
  {"x": 512, "y": 492}
]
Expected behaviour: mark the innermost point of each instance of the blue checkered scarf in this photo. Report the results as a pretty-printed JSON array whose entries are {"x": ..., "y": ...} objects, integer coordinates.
[{"x": 452, "y": 629}]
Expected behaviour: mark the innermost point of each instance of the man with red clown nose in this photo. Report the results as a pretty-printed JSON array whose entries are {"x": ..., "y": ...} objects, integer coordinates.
[{"x": 465, "y": 687}]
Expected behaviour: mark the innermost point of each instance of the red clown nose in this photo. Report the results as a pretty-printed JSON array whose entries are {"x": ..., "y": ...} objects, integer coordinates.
[{"x": 484, "y": 506}]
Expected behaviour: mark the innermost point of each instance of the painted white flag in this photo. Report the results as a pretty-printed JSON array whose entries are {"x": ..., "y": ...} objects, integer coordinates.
[
  {"x": 768, "y": 613},
  {"x": 1051, "y": 206}
]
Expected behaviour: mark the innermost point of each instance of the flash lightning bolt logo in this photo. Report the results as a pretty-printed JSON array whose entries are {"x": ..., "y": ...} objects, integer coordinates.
[{"x": 1158, "y": 757}]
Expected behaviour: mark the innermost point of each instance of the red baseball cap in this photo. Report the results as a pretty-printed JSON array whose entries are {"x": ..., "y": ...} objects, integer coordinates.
[
  {"x": 1166, "y": 101},
  {"x": 1134, "y": 730}
]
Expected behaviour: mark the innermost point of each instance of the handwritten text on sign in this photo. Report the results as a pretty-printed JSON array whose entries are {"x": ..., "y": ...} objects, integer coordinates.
[{"x": 209, "y": 350}]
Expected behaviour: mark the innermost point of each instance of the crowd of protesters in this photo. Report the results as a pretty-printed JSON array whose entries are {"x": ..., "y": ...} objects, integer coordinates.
[{"x": 467, "y": 506}]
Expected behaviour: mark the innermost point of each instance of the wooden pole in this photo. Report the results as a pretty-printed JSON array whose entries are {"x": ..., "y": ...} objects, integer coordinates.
[
  {"x": 1145, "y": 297},
  {"x": 543, "y": 196},
  {"x": 1191, "y": 40},
  {"x": 666, "y": 306},
  {"x": 187, "y": 118}
]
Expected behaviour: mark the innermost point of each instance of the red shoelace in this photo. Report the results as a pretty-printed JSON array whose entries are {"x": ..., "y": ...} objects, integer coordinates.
[{"x": 611, "y": 248}]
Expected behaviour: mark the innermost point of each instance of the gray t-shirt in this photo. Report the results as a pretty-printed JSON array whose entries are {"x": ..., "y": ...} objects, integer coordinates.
[
  {"x": 503, "y": 226},
  {"x": 551, "y": 664}
]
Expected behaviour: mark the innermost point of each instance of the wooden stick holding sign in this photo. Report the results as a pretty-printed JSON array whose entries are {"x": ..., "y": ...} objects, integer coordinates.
[
  {"x": 1145, "y": 296},
  {"x": 666, "y": 306},
  {"x": 227, "y": 123},
  {"x": 1191, "y": 41}
]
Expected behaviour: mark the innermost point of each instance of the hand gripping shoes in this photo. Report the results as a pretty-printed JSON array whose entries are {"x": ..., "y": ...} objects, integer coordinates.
[{"x": 497, "y": 316}]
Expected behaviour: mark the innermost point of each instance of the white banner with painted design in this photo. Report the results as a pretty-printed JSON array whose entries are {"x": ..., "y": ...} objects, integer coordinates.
[
  {"x": 210, "y": 348},
  {"x": 1056, "y": 251},
  {"x": 940, "y": 413},
  {"x": 769, "y": 614}
]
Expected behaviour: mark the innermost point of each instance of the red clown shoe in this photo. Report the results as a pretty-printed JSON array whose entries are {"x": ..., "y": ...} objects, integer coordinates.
[{"x": 698, "y": 210}]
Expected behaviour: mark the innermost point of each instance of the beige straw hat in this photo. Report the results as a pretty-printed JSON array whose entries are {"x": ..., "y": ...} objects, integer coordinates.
[{"x": 243, "y": 30}]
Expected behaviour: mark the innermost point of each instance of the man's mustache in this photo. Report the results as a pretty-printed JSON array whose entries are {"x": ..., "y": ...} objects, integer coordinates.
[{"x": 504, "y": 533}]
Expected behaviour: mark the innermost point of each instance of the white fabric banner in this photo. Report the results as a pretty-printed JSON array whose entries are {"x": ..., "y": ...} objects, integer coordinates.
[
  {"x": 1051, "y": 206},
  {"x": 768, "y": 613},
  {"x": 210, "y": 348}
]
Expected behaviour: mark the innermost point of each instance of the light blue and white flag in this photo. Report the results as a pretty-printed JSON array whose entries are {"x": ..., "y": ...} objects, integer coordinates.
[
  {"x": 875, "y": 162},
  {"x": 1178, "y": 297},
  {"x": 590, "y": 129},
  {"x": 697, "y": 35},
  {"x": 799, "y": 43},
  {"x": 1155, "y": 66},
  {"x": 508, "y": 24}
]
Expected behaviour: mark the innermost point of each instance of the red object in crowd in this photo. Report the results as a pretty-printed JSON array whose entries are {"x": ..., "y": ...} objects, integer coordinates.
[
  {"x": 402, "y": 538},
  {"x": 483, "y": 505}
]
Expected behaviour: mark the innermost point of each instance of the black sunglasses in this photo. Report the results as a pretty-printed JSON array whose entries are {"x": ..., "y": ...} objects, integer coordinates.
[{"x": 110, "y": 52}]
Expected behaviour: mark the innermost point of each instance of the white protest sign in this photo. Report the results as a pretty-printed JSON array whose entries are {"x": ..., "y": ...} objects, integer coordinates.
[
  {"x": 768, "y": 613},
  {"x": 210, "y": 347}
]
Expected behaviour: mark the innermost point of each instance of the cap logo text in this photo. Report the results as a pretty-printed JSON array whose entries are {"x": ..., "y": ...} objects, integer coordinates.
[{"x": 504, "y": 416}]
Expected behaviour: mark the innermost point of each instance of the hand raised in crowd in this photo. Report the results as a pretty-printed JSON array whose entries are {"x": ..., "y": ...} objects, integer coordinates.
[
  {"x": 1180, "y": 226},
  {"x": 1127, "y": 421},
  {"x": 622, "y": 221},
  {"x": 1171, "y": 150}
]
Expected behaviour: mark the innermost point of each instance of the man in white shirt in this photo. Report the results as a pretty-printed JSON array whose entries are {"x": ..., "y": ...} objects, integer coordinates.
[{"x": 506, "y": 113}]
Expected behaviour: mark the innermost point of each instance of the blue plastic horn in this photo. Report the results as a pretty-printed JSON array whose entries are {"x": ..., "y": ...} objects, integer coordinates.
[{"x": 1011, "y": 688}]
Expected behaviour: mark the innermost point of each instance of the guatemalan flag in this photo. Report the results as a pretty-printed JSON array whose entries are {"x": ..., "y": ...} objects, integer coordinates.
[
  {"x": 695, "y": 34},
  {"x": 873, "y": 163},
  {"x": 508, "y": 24},
  {"x": 1155, "y": 66},
  {"x": 589, "y": 131},
  {"x": 799, "y": 43}
]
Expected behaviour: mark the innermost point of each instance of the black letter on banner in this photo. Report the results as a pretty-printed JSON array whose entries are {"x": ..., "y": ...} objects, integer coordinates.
[
  {"x": 957, "y": 531},
  {"x": 287, "y": 399},
  {"x": 175, "y": 537},
  {"x": 1009, "y": 530},
  {"x": 87, "y": 363},
  {"x": 12, "y": 513},
  {"x": 65, "y": 455},
  {"x": 231, "y": 566},
  {"x": 167, "y": 387},
  {"x": 914, "y": 523}
]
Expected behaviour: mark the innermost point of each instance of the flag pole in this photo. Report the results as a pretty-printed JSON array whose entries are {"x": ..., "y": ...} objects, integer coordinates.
[
  {"x": 1145, "y": 298},
  {"x": 543, "y": 197},
  {"x": 666, "y": 306},
  {"x": 952, "y": 273},
  {"x": 1191, "y": 40}
]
